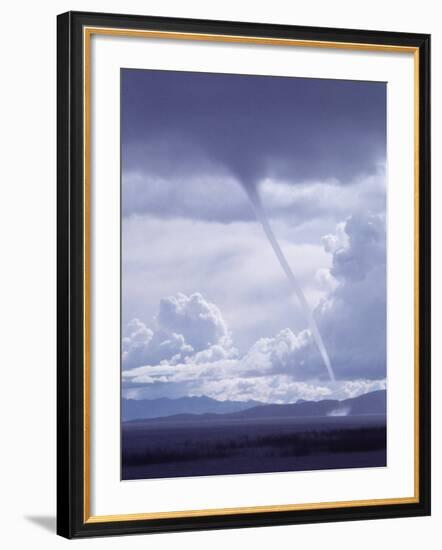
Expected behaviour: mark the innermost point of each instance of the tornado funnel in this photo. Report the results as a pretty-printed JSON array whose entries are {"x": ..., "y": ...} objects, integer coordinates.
[{"x": 261, "y": 216}]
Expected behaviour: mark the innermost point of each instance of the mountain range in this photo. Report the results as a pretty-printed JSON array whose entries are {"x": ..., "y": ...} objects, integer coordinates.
[
  {"x": 197, "y": 408},
  {"x": 133, "y": 409}
]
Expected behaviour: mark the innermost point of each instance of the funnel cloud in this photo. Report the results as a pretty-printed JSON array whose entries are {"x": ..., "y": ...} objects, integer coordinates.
[{"x": 253, "y": 194}]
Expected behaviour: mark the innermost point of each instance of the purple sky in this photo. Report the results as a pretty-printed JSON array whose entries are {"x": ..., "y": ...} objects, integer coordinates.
[{"x": 206, "y": 309}]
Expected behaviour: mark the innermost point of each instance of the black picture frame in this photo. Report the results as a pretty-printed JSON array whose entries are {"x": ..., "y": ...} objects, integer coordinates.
[{"x": 72, "y": 521}]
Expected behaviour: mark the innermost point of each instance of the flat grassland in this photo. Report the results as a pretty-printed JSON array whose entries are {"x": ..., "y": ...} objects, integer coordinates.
[{"x": 219, "y": 446}]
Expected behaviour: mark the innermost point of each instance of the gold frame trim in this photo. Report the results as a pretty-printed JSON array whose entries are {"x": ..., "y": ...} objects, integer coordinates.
[{"x": 87, "y": 33}]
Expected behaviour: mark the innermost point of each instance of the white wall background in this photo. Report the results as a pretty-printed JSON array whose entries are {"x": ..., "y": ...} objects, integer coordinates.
[{"x": 27, "y": 274}]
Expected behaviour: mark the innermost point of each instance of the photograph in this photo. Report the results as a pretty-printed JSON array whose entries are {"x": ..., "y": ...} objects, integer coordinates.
[
  {"x": 253, "y": 274},
  {"x": 220, "y": 234},
  {"x": 243, "y": 274}
]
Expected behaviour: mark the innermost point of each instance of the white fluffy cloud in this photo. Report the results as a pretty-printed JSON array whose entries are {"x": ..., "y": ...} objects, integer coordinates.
[
  {"x": 199, "y": 321},
  {"x": 352, "y": 318},
  {"x": 186, "y": 326}
]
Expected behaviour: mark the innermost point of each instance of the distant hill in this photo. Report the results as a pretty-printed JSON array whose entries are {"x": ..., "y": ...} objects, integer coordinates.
[
  {"x": 134, "y": 409},
  {"x": 370, "y": 403}
]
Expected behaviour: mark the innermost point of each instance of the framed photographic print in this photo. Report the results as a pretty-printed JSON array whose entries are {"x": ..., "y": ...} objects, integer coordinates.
[{"x": 243, "y": 274}]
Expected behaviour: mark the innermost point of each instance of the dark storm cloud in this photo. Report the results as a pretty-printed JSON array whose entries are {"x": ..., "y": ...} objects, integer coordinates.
[{"x": 251, "y": 127}]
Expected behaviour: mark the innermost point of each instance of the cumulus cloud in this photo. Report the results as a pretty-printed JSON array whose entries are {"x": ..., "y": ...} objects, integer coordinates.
[
  {"x": 363, "y": 249},
  {"x": 352, "y": 318},
  {"x": 142, "y": 345},
  {"x": 284, "y": 353},
  {"x": 199, "y": 321},
  {"x": 186, "y": 326},
  {"x": 338, "y": 240}
]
